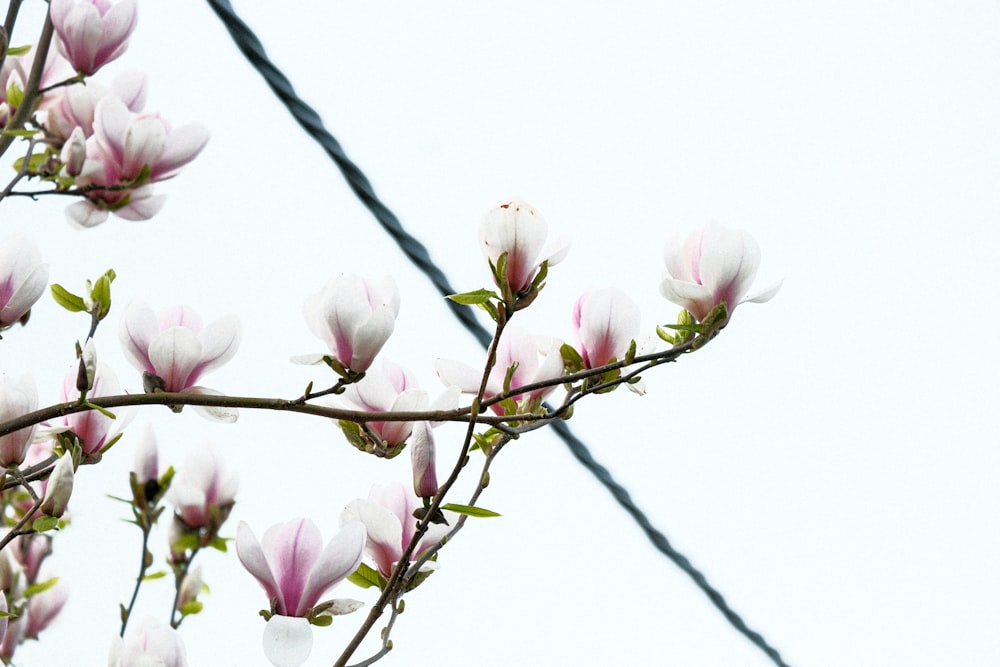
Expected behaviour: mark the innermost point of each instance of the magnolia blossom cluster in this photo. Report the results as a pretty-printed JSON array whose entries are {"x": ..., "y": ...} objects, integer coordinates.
[
  {"x": 98, "y": 140},
  {"x": 707, "y": 273}
]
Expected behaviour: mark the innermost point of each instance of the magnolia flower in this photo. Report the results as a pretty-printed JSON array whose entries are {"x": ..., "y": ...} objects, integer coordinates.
[
  {"x": 393, "y": 389},
  {"x": 387, "y": 515},
  {"x": 173, "y": 350},
  {"x": 151, "y": 643},
  {"x": 123, "y": 148},
  {"x": 537, "y": 358},
  {"x": 92, "y": 33},
  {"x": 354, "y": 317},
  {"x": 293, "y": 566},
  {"x": 23, "y": 278},
  {"x": 712, "y": 265},
  {"x": 295, "y": 570},
  {"x": 517, "y": 229},
  {"x": 17, "y": 398},
  {"x": 606, "y": 321},
  {"x": 203, "y": 490},
  {"x": 92, "y": 428}
]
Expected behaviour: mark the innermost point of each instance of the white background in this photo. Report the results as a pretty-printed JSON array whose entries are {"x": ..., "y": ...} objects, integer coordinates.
[{"x": 830, "y": 461}]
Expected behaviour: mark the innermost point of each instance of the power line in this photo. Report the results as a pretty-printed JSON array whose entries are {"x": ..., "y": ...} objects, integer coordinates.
[{"x": 306, "y": 116}]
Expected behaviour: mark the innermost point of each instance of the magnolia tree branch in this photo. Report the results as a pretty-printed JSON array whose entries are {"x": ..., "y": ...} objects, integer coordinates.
[{"x": 359, "y": 416}]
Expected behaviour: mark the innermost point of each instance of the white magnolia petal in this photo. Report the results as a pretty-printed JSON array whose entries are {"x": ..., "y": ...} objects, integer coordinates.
[
  {"x": 174, "y": 354},
  {"x": 765, "y": 295},
  {"x": 213, "y": 412},
  {"x": 455, "y": 373},
  {"x": 251, "y": 554},
  {"x": 307, "y": 359},
  {"x": 84, "y": 214},
  {"x": 340, "y": 558},
  {"x": 287, "y": 641},
  {"x": 343, "y": 606},
  {"x": 385, "y": 533}
]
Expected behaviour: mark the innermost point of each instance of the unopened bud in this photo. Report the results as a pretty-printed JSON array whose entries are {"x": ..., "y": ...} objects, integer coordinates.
[
  {"x": 74, "y": 153},
  {"x": 59, "y": 488}
]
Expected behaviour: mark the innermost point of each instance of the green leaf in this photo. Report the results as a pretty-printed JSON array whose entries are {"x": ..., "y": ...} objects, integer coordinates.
[
  {"x": 159, "y": 574},
  {"x": 366, "y": 577},
  {"x": 473, "y": 298},
  {"x": 321, "y": 621},
  {"x": 219, "y": 544},
  {"x": 45, "y": 523},
  {"x": 572, "y": 358},
  {"x": 18, "y": 50},
  {"x": 35, "y": 589},
  {"x": 630, "y": 354},
  {"x": 469, "y": 510},
  {"x": 67, "y": 299},
  {"x": 191, "y": 607},
  {"x": 186, "y": 542}
]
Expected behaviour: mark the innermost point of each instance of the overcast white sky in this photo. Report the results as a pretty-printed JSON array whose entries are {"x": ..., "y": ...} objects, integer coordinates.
[{"x": 830, "y": 461}]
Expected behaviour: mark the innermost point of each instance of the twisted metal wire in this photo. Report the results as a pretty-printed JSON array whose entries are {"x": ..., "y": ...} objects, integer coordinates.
[{"x": 306, "y": 116}]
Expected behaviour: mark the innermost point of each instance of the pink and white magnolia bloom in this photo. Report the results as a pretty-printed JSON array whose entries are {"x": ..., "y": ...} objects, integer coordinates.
[
  {"x": 151, "y": 643},
  {"x": 93, "y": 429},
  {"x": 17, "y": 398},
  {"x": 204, "y": 489},
  {"x": 292, "y": 565},
  {"x": 174, "y": 346},
  {"x": 712, "y": 265},
  {"x": 23, "y": 278},
  {"x": 520, "y": 231},
  {"x": 391, "y": 389},
  {"x": 387, "y": 515},
  {"x": 295, "y": 570},
  {"x": 537, "y": 358},
  {"x": 122, "y": 146},
  {"x": 354, "y": 317},
  {"x": 605, "y": 321},
  {"x": 92, "y": 33},
  {"x": 394, "y": 389}
]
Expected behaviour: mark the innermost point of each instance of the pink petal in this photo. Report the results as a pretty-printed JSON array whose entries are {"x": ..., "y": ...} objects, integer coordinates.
[{"x": 340, "y": 558}]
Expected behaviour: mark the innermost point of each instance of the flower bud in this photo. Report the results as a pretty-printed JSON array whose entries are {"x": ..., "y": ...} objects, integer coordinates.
[
  {"x": 423, "y": 460},
  {"x": 190, "y": 587},
  {"x": 74, "y": 152},
  {"x": 520, "y": 231},
  {"x": 59, "y": 487}
]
